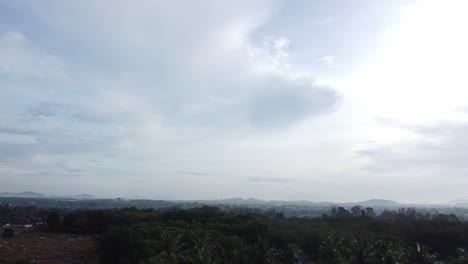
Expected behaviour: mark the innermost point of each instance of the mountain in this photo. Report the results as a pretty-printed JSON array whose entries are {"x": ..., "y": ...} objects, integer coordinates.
[
  {"x": 23, "y": 194},
  {"x": 378, "y": 203},
  {"x": 459, "y": 201},
  {"x": 254, "y": 202},
  {"x": 40, "y": 195},
  {"x": 239, "y": 201},
  {"x": 86, "y": 196},
  {"x": 232, "y": 201},
  {"x": 79, "y": 196}
]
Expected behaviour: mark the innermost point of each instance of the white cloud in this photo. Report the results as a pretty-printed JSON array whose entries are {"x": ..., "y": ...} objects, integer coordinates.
[
  {"x": 14, "y": 139},
  {"x": 328, "y": 60},
  {"x": 417, "y": 80},
  {"x": 146, "y": 102},
  {"x": 234, "y": 89},
  {"x": 325, "y": 20},
  {"x": 20, "y": 58},
  {"x": 281, "y": 43}
]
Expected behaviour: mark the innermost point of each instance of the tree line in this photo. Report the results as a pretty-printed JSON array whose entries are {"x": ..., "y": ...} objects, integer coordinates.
[{"x": 210, "y": 235}]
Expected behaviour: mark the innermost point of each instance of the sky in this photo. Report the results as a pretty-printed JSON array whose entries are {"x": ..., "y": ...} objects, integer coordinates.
[{"x": 324, "y": 100}]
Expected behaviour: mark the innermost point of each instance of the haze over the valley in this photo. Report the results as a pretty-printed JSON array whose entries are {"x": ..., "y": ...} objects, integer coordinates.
[{"x": 276, "y": 100}]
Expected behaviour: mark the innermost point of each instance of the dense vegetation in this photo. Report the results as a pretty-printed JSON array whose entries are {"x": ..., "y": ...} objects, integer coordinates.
[
  {"x": 209, "y": 235},
  {"x": 242, "y": 235}
]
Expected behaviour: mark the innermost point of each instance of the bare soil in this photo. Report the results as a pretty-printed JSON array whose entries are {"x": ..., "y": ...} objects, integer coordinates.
[{"x": 45, "y": 247}]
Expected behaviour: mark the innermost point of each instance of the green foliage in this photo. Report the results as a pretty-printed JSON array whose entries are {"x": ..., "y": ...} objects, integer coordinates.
[
  {"x": 205, "y": 251},
  {"x": 208, "y": 235},
  {"x": 263, "y": 252},
  {"x": 172, "y": 249},
  {"x": 8, "y": 233},
  {"x": 53, "y": 220},
  {"x": 123, "y": 245}
]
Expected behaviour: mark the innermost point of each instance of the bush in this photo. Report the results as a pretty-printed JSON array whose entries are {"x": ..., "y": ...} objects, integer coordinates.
[
  {"x": 53, "y": 220},
  {"x": 22, "y": 262},
  {"x": 8, "y": 233}
]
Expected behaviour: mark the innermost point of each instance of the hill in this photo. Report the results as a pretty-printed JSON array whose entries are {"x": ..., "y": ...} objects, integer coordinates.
[{"x": 23, "y": 194}]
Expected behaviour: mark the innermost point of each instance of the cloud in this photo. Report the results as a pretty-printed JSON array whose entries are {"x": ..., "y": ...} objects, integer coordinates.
[
  {"x": 23, "y": 144},
  {"x": 440, "y": 149},
  {"x": 191, "y": 173},
  {"x": 269, "y": 179},
  {"x": 16, "y": 139},
  {"x": 280, "y": 43},
  {"x": 325, "y": 20},
  {"x": 327, "y": 60},
  {"x": 286, "y": 102},
  {"x": 132, "y": 90},
  {"x": 289, "y": 92},
  {"x": 70, "y": 111},
  {"x": 19, "y": 57}
]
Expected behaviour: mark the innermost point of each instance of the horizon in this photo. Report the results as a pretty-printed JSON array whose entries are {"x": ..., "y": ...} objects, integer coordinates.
[
  {"x": 175, "y": 199},
  {"x": 277, "y": 100}
]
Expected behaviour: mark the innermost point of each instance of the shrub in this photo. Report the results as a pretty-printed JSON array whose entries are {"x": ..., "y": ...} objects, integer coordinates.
[{"x": 8, "y": 233}]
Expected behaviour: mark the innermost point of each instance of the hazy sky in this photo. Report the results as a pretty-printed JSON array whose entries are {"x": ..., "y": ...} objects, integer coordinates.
[{"x": 318, "y": 100}]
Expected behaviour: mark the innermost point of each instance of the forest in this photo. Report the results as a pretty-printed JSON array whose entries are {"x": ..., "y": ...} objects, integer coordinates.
[{"x": 210, "y": 235}]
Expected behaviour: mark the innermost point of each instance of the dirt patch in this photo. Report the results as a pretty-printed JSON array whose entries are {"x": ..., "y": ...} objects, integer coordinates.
[{"x": 46, "y": 247}]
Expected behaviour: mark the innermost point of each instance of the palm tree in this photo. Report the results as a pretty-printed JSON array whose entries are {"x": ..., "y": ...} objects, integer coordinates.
[
  {"x": 293, "y": 254},
  {"x": 263, "y": 251},
  {"x": 334, "y": 249},
  {"x": 421, "y": 255},
  {"x": 462, "y": 256},
  {"x": 173, "y": 249},
  {"x": 204, "y": 251},
  {"x": 387, "y": 251}
]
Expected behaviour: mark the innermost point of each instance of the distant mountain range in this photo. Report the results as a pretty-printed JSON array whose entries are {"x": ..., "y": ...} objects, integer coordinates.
[
  {"x": 382, "y": 203},
  {"x": 40, "y": 195},
  {"x": 459, "y": 202},
  {"x": 252, "y": 201},
  {"x": 377, "y": 203},
  {"x": 23, "y": 194}
]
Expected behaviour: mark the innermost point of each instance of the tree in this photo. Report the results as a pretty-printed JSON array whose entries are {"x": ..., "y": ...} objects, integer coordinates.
[
  {"x": 356, "y": 210},
  {"x": 342, "y": 212},
  {"x": 263, "y": 251},
  {"x": 204, "y": 252},
  {"x": 461, "y": 258},
  {"x": 173, "y": 250},
  {"x": 53, "y": 220},
  {"x": 8, "y": 233},
  {"x": 292, "y": 254},
  {"x": 123, "y": 245},
  {"x": 387, "y": 251},
  {"x": 370, "y": 212},
  {"x": 421, "y": 255},
  {"x": 333, "y": 250}
]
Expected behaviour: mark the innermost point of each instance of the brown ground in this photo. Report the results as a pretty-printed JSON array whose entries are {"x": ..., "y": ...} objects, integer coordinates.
[{"x": 45, "y": 247}]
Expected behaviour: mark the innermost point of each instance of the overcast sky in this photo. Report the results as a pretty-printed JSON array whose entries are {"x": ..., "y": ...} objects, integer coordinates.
[{"x": 317, "y": 100}]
